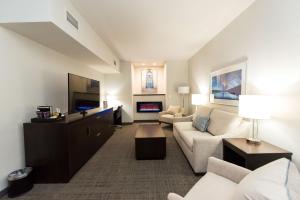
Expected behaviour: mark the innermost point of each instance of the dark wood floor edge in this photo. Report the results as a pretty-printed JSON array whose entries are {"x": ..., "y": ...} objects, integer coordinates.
[
  {"x": 3, "y": 192},
  {"x": 127, "y": 123},
  {"x": 141, "y": 121}
]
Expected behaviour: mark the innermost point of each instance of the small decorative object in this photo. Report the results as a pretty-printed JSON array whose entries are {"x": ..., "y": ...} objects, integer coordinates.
[
  {"x": 44, "y": 112},
  {"x": 183, "y": 90},
  {"x": 105, "y": 104},
  {"x": 227, "y": 84},
  {"x": 256, "y": 108},
  {"x": 149, "y": 81}
]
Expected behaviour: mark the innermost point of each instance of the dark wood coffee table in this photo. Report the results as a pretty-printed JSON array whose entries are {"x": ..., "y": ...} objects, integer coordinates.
[{"x": 150, "y": 142}]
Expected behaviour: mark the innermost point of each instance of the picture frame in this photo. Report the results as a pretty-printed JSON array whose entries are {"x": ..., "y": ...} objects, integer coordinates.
[
  {"x": 227, "y": 84},
  {"x": 149, "y": 78}
]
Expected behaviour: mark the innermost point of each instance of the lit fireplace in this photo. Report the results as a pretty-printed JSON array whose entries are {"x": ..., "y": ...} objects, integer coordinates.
[{"x": 146, "y": 107}]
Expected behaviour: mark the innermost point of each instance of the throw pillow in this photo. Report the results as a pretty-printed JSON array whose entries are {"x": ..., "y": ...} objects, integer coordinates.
[
  {"x": 173, "y": 110},
  {"x": 203, "y": 111},
  {"x": 200, "y": 123},
  {"x": 223, "y": 122}
]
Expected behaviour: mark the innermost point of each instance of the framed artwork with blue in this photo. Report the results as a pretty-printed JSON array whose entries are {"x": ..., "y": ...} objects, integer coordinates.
[
  {"x": 149, "y": 81},
  {"x": 228, "y": 84}
]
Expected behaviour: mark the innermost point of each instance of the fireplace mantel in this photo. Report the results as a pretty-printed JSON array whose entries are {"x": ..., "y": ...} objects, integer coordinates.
[{"x": 148, "y": 98}]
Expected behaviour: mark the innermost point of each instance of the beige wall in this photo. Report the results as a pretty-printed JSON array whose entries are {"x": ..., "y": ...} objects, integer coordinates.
[
  {"x": 267, "y": 35},
  {"x": 177, "y": 75},
  {"x": 30, "y": 75}
]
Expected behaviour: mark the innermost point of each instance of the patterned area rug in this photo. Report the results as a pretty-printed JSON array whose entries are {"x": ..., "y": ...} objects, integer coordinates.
[{"x": 113, "y": 173}]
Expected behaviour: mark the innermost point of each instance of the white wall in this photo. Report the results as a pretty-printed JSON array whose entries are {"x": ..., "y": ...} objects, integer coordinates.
[
  {"x": 177, "y": 75},
  {"x": 267, "y": 35},
  {"x": 118, "y": 89},
  {"x": 55, "y": 11},
  {"x": 30, "y": 75}
]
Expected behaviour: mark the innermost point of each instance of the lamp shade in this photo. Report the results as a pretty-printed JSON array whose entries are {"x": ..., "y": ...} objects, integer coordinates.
[
  {"x": 184, "y": 90},
  {"x": 199, "y": 99},
  {"x": 254, "y": 107}
]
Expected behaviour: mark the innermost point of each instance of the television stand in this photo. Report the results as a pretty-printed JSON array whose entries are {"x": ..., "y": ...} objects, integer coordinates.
[
  {"x": 57, "y": 150},
  {"x": 83, "y": 113}
]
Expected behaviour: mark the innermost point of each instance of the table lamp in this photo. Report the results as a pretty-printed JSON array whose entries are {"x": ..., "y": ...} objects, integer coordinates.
[
  {"x": 199, "y": 99},
  {"x": 256, "y": 108}
]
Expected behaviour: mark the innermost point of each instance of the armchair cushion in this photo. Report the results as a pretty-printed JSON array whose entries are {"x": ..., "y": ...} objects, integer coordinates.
[
  {"x": 228, "y": 170},
  {"x": 173, "y": 196},
  {"x": 183, "y": 119},
  {"x": 222, "y": 122},
  {"x": 174, "y": 109},
  {"x": 211, "y": 187},
  {"x": 271, "y": 181},
  {"x": 167, "y": 118}
]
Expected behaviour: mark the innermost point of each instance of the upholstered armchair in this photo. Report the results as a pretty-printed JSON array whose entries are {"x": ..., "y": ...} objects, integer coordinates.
[
  {"x": 172, "y": 115},
  {"x": 279, "y": 179}
]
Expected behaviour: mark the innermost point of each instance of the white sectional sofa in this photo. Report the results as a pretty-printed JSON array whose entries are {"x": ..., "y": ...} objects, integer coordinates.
[
  {"x": 278, "y": 180},
  {"x": 199, "y": 146}
]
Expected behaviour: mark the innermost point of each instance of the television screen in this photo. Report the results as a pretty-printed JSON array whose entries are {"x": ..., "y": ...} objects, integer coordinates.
[{"x": 83, "y": 94}]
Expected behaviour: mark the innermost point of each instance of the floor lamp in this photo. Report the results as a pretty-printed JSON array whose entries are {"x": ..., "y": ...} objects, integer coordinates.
[{"x": 183, "y": 90}]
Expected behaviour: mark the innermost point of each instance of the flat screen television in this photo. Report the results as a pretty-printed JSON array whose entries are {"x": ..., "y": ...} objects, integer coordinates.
[{"x": 83, "y": 94}]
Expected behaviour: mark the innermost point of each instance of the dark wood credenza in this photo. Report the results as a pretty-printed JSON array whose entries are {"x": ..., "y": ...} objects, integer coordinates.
[{"x": 57, "y": 150}]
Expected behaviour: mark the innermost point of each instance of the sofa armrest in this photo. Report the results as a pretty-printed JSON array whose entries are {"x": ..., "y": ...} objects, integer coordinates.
[
  {"x": 183, "y": 119},
  {"x": 173, "y": 196},
  {"x": 205, "y": 146},
  {"x": 227, "y": 170}
]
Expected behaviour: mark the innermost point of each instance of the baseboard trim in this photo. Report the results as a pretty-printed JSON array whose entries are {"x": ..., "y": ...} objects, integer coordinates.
[{"x": 3, "y": 192}]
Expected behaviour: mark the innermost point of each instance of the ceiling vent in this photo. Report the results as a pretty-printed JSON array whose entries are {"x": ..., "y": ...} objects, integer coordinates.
[{"x": 72, "y": 20}]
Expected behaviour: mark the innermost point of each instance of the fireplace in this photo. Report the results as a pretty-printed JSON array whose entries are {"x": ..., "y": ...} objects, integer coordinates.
[{"x": 149, "y": 107}]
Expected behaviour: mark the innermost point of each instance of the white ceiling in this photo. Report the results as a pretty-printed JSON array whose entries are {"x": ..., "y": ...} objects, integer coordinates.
[{"x": 158, "y": 30}]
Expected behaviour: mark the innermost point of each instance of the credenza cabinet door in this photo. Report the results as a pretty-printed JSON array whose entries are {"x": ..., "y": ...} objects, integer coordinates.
[{"x": 78, "y": 146}]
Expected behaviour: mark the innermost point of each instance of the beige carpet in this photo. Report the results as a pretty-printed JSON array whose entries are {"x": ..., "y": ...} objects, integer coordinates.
[{"x": 114, "y": 174}]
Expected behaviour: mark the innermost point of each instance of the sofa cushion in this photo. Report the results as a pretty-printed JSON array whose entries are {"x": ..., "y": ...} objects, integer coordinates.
[
  {"x": 173, "y": 110},
  {"x": 187, "y": 132},
  {"x": 202, "y": 111},
  {"x": 188, "y": 137},
  {"x": 200, "y": 123},
  {"x": 184, "y": 126},
  {"x": 276, "y": 180},
  {"x": 222, "y": 122},
  {"x": 212, "y": 187}
]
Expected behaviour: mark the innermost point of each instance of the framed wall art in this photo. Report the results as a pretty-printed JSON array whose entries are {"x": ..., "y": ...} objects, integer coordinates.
[{"x": 227, "y": 84}]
